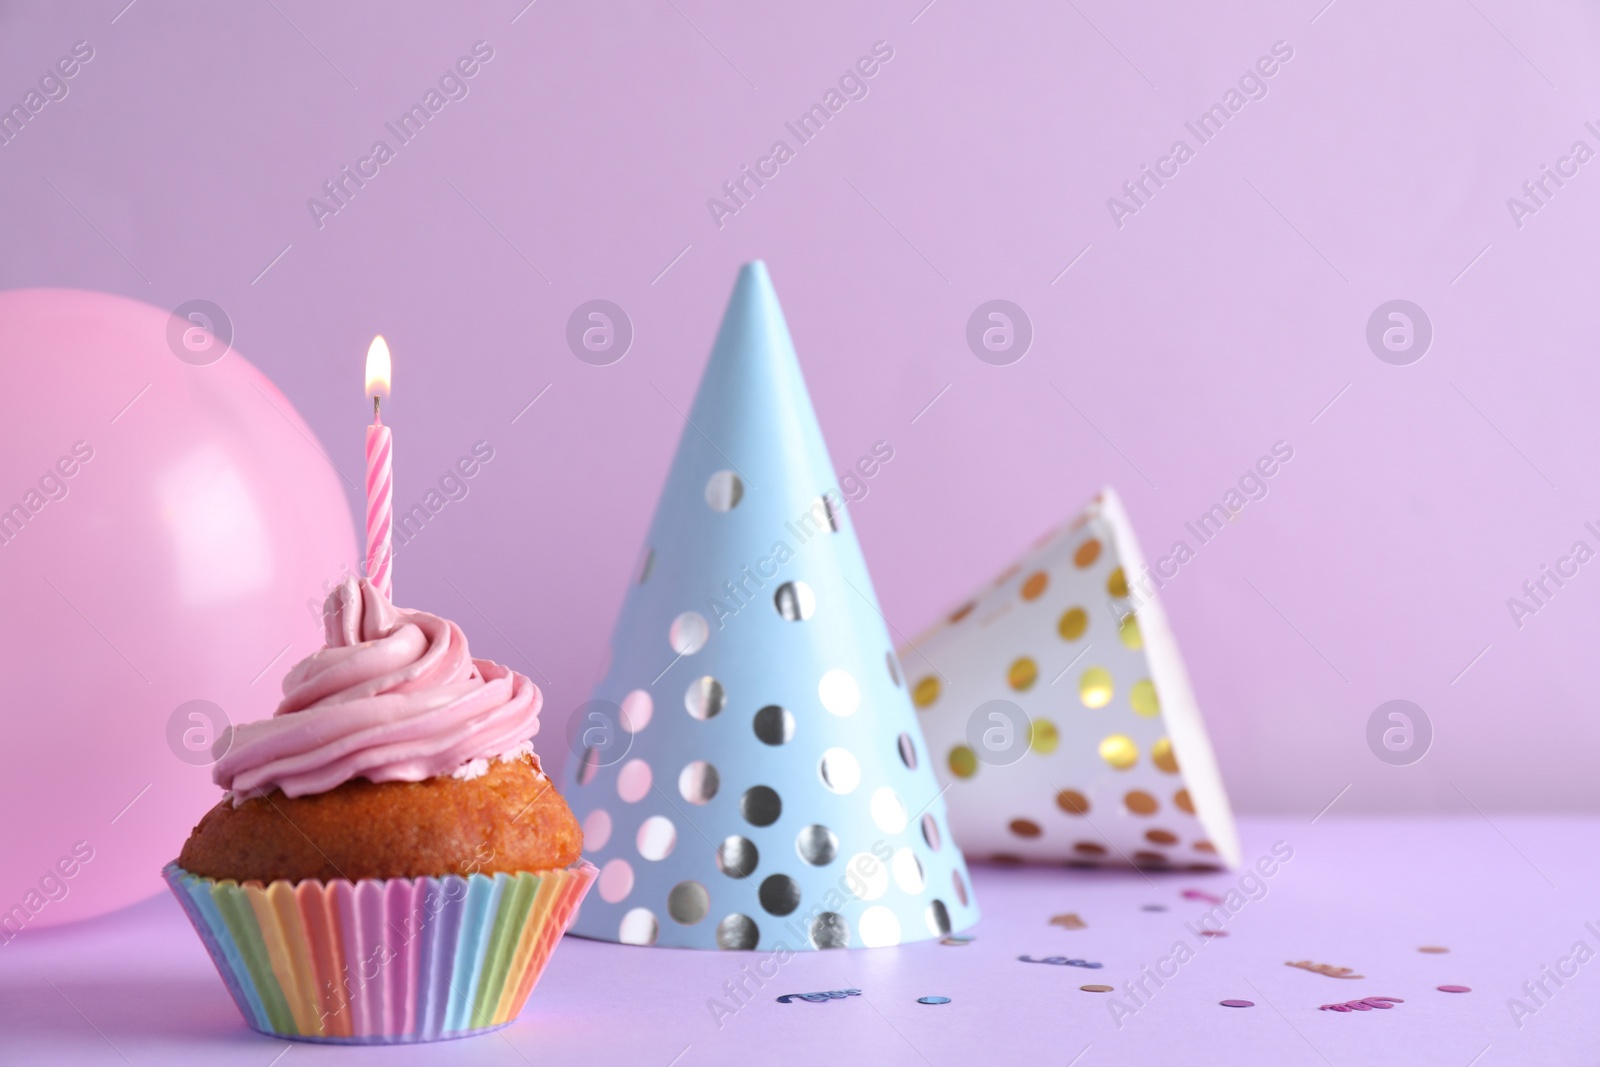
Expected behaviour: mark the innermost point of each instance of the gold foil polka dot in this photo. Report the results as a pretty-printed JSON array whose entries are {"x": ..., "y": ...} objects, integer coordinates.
[
  {"x": 1025, "y": 828},
  {"x": 1035, "y": 585},
  {"x": 1073, "y": 622},
  {"x": 1129, "y": 633},
  {"x": 1072, "y": 802},
  {"x": 1023, "y": 673},
  {"x": 1162, "y": 756},
  {"x": 1148, "y": 859},
  {"x": 1142, "y": 697},
  {"x": 1140, "y": 803},
  {"x": 1205, "y": 846},
  {"x": 963, "y": 611},
  {"x": 926, "y": 692},
  {"x": 963, "y": 762},
  {"x": 1117, "y": 584},
  {"x": 1095, "y": 687},
  {"x": 1089, "y": 848},
  {"x": 1119, "y": 751},
  {"x": 1181, "y": 798},
  {"x": 1045, "y": 738},
  {"x": 1161, "y": 837},
  {"x": 1087, "y": 553}
]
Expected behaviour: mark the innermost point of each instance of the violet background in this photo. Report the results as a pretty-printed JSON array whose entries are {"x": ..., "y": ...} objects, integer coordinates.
[{"x": 1225, "y": 316}]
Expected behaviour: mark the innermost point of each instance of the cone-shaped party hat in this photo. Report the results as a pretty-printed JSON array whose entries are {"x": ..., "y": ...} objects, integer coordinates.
[
  {"x": 750, "y": 774},
  {"x": 1058, "y": 709}
]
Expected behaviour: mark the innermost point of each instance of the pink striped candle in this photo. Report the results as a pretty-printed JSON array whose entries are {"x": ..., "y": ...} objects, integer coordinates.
[{"x": 380, "y": 480}]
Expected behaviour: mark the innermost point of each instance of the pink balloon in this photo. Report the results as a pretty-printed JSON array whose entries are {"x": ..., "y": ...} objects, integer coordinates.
[{"x": 167, "y": 528}]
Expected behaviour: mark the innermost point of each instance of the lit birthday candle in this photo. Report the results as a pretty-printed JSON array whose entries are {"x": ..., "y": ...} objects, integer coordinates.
[{"x": 380, "y": 482}]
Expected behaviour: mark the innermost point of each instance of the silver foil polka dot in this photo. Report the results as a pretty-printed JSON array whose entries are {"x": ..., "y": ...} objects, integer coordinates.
[
  {"x": 938, "y": 917},
  {"x": 795, "y": 601},
  {"x": 908, "y": 752},
  {"x": 638, "y": 927},
  {"x": 737, "y": 857},
  {"x": 688, "y": 903},
  {"x": 930, "y": 832},
  {"x": 829, "y": 930},
  {"x": 656, "y": 838},
  {"x": 760, "y": 805},
  {"x": 840, "y": 770},
  {"x": 688, "y": 633},
  {"x": 817, "y": 845},
  {"x": 774, "y": 725},
  {"x": 738, "y": 932},
  {"x": 779, "y": 894},
  {"x": 698, "y": 782},
  {"x": 724, "y": 490},
  {"x": 907, "y": 870},
  {"x": 704, "y": 698}
]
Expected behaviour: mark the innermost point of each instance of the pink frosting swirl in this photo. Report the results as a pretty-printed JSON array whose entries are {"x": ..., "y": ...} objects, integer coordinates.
[{"x": 394, "y": 697}]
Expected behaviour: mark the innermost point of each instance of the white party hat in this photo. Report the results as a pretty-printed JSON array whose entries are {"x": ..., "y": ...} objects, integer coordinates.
[{"x": 1060, "y": 714}]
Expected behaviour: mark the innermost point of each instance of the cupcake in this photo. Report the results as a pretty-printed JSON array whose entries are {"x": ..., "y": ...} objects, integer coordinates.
[{"x": 388, "y": 863}]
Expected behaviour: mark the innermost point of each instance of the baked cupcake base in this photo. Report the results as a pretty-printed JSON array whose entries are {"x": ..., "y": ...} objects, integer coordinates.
[
  {"x": 510, "y": 818},
  {"x": 382, "y": 961}
]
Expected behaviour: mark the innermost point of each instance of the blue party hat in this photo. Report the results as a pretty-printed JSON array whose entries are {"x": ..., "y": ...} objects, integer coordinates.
[{"x": 750, "y": 772}]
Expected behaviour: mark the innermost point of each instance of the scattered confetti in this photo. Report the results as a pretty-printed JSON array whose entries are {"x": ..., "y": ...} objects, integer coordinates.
[
  {"x": 1069, "y": 921},
  {"x": 1237, "y": 1003},
  {"x": 1095, "y": 988},
  {"x": 1154, "y": 907},
  {"x": 1365, "y": 1004},
  {"x": 1062, "y": 961},
  {"x": 1455, "y": 989},
  {"x": 957, "y": 939},
  {"x": 1213, "y": 933},
  {"x": 819, "y": 998},
  {"x": 933, "y": 1000},
  {"x": 1433, "y": 950},
  {"x": 1323, "y": 968},
  {"x": 1201, "y": 894}
]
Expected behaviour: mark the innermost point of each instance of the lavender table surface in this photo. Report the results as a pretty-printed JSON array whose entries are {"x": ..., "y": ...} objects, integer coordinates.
[{"x": 1510, "y": 899}]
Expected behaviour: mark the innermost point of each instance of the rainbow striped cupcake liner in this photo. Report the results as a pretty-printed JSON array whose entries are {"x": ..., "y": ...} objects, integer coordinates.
[{"x": 378, "y": 961}]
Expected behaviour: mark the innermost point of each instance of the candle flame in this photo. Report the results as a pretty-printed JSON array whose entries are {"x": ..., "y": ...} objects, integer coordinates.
[{"x": 378, "y": 367}]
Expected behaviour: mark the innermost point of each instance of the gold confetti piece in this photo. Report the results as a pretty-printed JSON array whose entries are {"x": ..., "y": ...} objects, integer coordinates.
[
  {"x": 1323, "y": 968},
  {"x": 1069, "y": 921}
]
